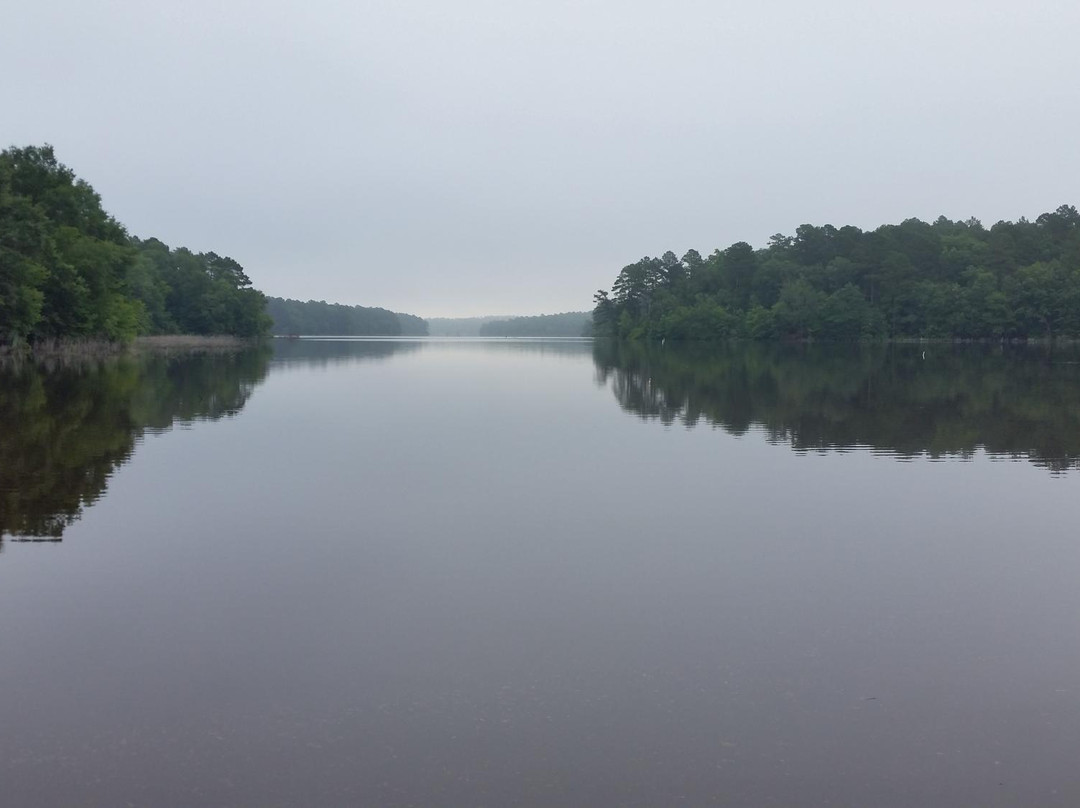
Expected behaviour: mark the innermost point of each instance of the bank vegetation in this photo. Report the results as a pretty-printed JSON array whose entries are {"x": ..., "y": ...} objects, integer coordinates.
[{"x": 941, "y": 280}]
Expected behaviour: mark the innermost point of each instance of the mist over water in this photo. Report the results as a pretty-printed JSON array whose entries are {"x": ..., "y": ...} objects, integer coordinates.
[{"x": 542, "y": 573}]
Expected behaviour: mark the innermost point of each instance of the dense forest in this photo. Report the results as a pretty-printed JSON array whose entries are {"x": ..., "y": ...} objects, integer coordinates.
[
  {"x": 69, "y": 270},
  {"x": 1017, "y": 401},
  {"x": 319, "y": 317},
  {"x": 568, "y": 324},
  {"x": 950, "y": 280}
]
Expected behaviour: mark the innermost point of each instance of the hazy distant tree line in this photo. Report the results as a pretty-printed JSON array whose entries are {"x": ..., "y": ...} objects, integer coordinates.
[
  {"x": 320, "y": 317},
  {"x": 568, "y": 324},
  {"x": 457, "y": 326},
  {"x": 941, "y": 280},
  {"x": 69, "y": 269}
]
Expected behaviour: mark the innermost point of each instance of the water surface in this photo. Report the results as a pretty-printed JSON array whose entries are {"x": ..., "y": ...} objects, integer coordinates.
[{"x": 495, "y": 573}]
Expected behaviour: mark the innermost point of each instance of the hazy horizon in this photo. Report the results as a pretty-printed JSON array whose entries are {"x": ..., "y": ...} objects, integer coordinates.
[
  {"x": 485, "y": 316},
  {"x": 458, "y": 160}
]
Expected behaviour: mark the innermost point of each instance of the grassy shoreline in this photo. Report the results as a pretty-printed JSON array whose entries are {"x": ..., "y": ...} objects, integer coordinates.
[
  {"x": 193, "y": 343},
  {"x": 65, "y": 351}
]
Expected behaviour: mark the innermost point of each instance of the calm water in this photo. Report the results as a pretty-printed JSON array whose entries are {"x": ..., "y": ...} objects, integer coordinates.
[{"x": 542, "y": 574}]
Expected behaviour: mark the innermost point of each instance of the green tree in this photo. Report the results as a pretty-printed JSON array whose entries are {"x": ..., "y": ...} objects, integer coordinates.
[
  {"x": 740, "y": 265},
  {"x": 949, "y": 279},
  {"x": 65, "y": 260},
  {"x": 799, "y": 309},
  {"x": 25, "y": 251},
  {"x": 845, "y": 315},
  {"x": 68, "y": 269}
]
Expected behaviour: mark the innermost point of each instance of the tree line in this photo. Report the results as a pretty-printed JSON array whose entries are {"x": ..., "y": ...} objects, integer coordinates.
[
  {"x": 567, "y": 324},
  {"x": 68, "y": 269},
  {"x": 946, "y": 279},
  {"x": 319, "y": 317}
]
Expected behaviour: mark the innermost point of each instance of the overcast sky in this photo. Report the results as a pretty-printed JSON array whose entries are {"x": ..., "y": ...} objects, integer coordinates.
[{"x": 461, "y": 158}]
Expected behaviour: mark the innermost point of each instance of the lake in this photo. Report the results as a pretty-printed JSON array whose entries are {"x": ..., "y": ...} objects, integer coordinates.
[{"x": 527, "y": 573}]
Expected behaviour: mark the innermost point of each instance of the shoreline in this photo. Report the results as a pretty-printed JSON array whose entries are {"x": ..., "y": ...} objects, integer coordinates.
[
  {"x": 194, "y": 343},
  {"x": 64, "y": 351}
]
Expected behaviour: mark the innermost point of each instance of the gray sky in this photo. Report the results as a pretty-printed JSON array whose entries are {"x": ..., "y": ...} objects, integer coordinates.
[{"x": 459, "y": 158}]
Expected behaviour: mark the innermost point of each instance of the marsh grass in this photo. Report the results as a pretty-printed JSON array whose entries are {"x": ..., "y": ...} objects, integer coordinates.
[
  {"x": 193, "y": 343},
  {"x": 69, "y": 352}
]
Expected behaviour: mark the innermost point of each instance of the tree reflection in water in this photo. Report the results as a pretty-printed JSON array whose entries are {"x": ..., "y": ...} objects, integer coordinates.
[
  {"x": 902, "y": 399},
  {"x": 66, "y": 429}
]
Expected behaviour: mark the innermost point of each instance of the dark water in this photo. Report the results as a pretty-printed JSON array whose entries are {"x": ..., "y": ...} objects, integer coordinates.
[{"x": 523, "y": 573}]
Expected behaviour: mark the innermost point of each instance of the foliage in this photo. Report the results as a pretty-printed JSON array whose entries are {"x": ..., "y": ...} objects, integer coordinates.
[
  {"x": 568, "y": 324},
  {"x": 195, "y": 293},
  {"x": 69, "y": 270},
  {"x": 320, "y": 317},
  {"x": 958, "y": 280}
]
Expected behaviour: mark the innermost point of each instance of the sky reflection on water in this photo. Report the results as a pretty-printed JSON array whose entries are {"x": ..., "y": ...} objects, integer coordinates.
[{"x": 457, "y": 573}]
